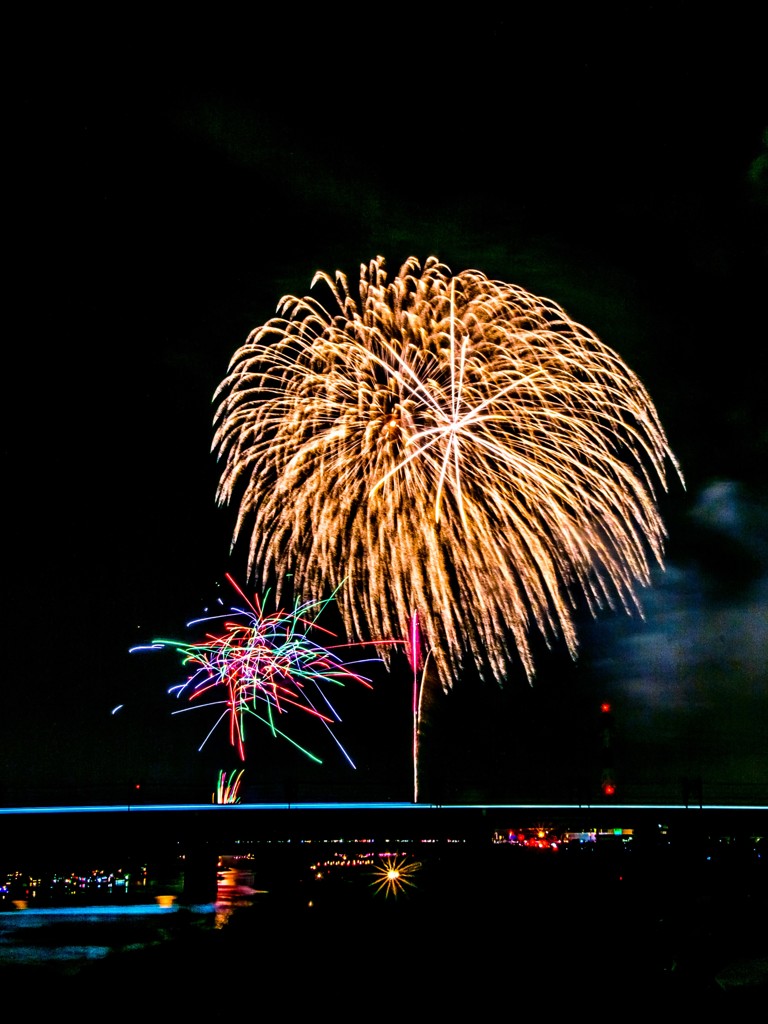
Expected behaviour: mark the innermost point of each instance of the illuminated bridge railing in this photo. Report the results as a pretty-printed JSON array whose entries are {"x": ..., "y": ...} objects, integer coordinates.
[{"x": 180, "y": 826}]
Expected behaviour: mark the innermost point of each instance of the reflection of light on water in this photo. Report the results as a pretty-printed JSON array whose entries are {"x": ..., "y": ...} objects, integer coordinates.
[
  {"x": 17, "y": 955},
  {"x": 33, "y": 917},
  {"x": 232, "y": 882},
  {"x": 54, "y": 935},
  {"x": 27, "y": 934},
  {"x": 234, "y": 889},
  {"x": 222, "y": 915}
]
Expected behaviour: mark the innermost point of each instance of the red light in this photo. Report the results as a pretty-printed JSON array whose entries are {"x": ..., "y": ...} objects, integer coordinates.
[
  {"x": 608, "y": 788},
  {"x": 605, "y": 707}
]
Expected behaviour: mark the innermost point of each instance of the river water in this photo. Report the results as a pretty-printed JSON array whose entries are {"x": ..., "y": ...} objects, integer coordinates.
[{"x": 397, "y": 933}]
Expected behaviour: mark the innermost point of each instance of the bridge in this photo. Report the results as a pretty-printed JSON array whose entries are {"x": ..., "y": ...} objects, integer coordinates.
[
  {"x": 73, "y": 829},
  {"x": 201, "y": 833}
]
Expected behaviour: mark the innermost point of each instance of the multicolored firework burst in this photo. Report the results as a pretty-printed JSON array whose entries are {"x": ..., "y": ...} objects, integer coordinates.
[
  {"x": 392, "y": 876},
  {"x": 264, "y": 665},
  {"x": 458, "y": 446}
]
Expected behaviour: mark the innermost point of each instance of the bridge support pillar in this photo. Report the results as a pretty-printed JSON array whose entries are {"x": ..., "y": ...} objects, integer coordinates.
[{"x": 200, "y": 874}]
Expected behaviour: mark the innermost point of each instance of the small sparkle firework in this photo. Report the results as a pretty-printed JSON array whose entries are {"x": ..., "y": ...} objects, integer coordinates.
[
  {"x": 392, "y": 876},
  {"x": 458, "y": 447},
  {"x": 228, "y": 787},
  {"x": 264, "y": 665}
]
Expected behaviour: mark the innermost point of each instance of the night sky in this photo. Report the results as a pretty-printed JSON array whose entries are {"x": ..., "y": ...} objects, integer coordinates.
[{"x": 168, "y": 190}]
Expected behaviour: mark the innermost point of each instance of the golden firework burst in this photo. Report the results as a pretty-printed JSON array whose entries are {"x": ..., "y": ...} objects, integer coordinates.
[{"x": 455, "y": 447}]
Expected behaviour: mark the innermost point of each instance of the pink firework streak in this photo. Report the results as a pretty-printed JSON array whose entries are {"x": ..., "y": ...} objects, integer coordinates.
[{"x": 264, "y": 666}]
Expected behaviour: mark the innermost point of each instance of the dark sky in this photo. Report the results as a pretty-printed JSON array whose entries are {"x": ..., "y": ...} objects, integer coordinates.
[{"x": 168, "y": 189}]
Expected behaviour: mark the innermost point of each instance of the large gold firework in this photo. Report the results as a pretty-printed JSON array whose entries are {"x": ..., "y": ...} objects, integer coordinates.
[{"x": 456, "y": 447}]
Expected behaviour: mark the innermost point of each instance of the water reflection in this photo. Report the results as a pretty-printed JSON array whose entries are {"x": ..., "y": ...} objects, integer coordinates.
[
  {"x": 69, "y": 936},
  {"x": 682, "y": 921}
]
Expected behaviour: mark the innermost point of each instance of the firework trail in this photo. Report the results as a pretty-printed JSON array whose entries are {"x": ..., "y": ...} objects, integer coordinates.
[
  {"x": 262, "y": 666},
  {"x": 418, "y": 662},
  {"x": 460, "y": 447},
  {"x": 415, "y": 660}
]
